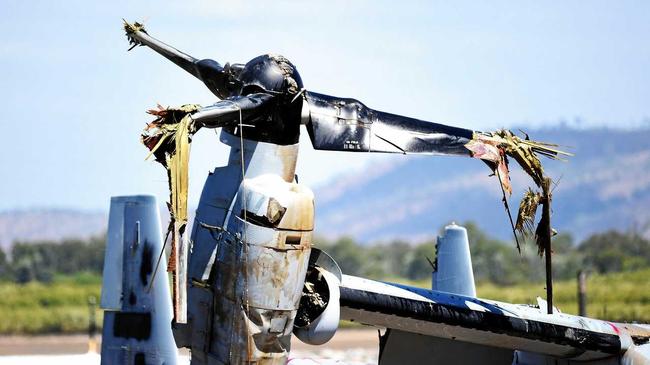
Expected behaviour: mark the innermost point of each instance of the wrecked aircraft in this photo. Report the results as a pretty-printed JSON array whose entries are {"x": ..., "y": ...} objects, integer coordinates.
[{"x": 246, "y": 279}]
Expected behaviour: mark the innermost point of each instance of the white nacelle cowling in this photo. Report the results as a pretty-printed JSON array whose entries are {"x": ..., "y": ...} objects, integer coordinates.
[{"x": 322, "y": 328}]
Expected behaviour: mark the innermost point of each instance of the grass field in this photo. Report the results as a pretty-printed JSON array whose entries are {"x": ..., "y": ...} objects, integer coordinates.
[
  {"x": 62, "y": 306},
  {"x": 59, "y": 307},
  {"x": 622, "y": 297}
]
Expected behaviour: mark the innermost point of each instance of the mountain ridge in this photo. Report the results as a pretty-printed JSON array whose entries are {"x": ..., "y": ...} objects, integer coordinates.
[{"x": 606, "y": 185}]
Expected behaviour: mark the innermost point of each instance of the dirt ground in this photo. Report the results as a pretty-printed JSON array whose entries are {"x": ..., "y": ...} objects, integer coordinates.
[{"x": 345, "y": 340}]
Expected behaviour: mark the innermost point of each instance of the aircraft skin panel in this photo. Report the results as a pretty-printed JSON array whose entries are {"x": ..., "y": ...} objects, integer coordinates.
[
  {"x": 523, "y": 311},
  {"x": 452, "y": 268},
  {"x": 448, "y": 316},
  {"x": 466, "y": 335},
  {"x": 111, "y": 296},
  {"x": 138, "y": 331},
  {"x": 399, "y": 347}
]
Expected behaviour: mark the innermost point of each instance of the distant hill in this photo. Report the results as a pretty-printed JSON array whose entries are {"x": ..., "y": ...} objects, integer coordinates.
[
  {"x": 49, "y": 224},
  {"x": 606, "y": 185}
]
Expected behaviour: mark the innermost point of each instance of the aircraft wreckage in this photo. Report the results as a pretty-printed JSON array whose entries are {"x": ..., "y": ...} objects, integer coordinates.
[{"x": 246, "y": 277}]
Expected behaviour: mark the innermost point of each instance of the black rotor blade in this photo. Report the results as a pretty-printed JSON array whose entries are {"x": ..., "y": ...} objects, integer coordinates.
[
  {"x": 341, "y": 124},
  {"x": 219, "y": 79},
  {"x": 235, "y": 110}
]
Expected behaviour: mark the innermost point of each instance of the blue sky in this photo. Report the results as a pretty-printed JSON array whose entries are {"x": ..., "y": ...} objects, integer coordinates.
[{"x": 74, "y": 99}]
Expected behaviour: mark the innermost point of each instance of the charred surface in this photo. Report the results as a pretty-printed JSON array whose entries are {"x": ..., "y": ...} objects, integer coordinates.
[
  {"x": 280, "y": 125},
  {"x": 277, "y": 76},
  {"x": 640, "y": 340},
  {"x": 315, "y": 296},
  {"x": 133, "y": 299},
  {"x": 258, "y": 220},
  {"x": 482, "y": 321},
  {"x": 270, "y": 220},
  {"x": 139, "y": 359},
  {"x": 132, "y": 325},
  {"x": 146, "y": 265}
]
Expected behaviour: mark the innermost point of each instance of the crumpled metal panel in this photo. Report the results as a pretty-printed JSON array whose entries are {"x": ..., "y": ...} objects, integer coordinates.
[
  {"x": 259, "y": 274},
  {"x": 282, "y": 205},
  {"x": 252, "y": 265},
  {"x": 268, "y": 274}
]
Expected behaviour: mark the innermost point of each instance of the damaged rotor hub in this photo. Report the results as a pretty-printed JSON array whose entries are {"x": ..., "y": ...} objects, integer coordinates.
[{"x": 270, "y": 73}]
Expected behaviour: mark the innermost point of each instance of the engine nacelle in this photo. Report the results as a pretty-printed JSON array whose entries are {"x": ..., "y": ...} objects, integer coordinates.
[{"x": 320, "y": 311}]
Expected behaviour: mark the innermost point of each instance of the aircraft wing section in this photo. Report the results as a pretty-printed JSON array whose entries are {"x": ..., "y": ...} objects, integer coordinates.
[{"x": 481, "y": 322}]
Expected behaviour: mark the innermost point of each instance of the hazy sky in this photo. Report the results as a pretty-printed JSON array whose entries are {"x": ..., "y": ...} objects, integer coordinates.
[{"x": 73, "y": 99}]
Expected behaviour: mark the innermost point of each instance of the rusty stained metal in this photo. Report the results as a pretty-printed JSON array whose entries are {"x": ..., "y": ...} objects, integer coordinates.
[{"x": 259, "y": 272}]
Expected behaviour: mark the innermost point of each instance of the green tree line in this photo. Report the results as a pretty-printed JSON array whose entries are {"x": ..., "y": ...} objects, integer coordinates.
[
  {"x": 41, "y": 261},
  {"x": 494, "y": 261}
]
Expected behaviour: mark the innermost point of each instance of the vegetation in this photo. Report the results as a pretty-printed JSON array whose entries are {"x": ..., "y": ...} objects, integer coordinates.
[
  {"x": 495, "y": 261},
  {"x": 45, "y": 286},
  {"x": 619, "y": 297},
  {"x": 60, "y": 306},
  {"x": 41, "y": 261}
]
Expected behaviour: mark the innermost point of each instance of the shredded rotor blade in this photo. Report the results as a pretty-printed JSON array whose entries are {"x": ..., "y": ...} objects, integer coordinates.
[
  {"x": 507, "y": 206},
  {"x": 168, "y": 139},
  {"x": 495, "y": 148}
]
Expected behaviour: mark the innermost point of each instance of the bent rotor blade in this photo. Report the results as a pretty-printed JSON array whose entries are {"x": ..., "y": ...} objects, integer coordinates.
[
  {"x": 220, "y": 80},
  {"x": 341, "y": 124},
  {"x": 233, "y": 111}
]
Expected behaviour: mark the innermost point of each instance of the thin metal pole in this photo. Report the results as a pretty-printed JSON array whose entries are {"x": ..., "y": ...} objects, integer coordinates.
[
  {"x": 92, "y": 324},
  {"x": 582, "y": 293},
  {"x": 546, "y": 190}
]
